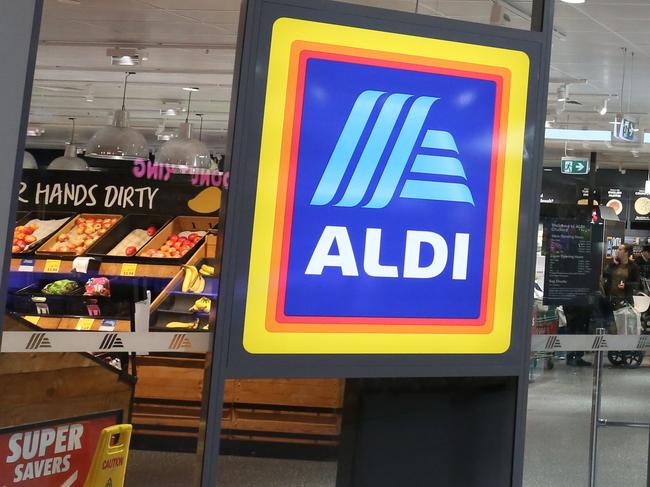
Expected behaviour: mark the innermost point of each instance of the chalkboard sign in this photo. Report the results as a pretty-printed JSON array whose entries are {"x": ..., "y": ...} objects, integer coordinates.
[
  {"x": 144, "y": 190},
  {"x": 572, "y": 261}
]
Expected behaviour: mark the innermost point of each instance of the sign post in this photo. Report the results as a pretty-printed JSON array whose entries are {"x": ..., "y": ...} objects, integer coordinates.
[{"x": 361, "y": 242}]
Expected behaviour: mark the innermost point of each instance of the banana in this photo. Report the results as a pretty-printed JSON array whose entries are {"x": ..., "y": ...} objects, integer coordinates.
[
  {"x": 198, "y": 285},
  {"x": 206, "y": 270},
  {"x": 202, "y": 304},
  {"x": 188, "y": 325},
  {"x": 191, "y": 275}
]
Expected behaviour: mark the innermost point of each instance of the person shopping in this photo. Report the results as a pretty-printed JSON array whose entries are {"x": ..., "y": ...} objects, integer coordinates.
[{"x": 622, "y": 278}]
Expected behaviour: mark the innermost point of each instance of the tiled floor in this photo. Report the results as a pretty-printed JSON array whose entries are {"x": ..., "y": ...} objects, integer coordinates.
[{"x": 556, "y": 452}]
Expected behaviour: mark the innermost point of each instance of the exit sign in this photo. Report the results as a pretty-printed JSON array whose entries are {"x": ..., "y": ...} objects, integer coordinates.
[{"x": 571, "y": 165}]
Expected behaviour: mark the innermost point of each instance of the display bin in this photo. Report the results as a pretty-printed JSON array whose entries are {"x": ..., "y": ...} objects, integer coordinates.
[
  {"x": 32, "y": 301},
  {"x": 26, "y": 217},
  {"x": 44, "y": 249},
  {"x": 176, "y": 226},
  {"x": 102, "y": 247},
  {"x": 176, "y": 303}
]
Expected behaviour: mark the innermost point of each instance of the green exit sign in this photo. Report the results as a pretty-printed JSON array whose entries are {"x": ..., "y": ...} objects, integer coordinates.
[{"x": 572, "y": 165}]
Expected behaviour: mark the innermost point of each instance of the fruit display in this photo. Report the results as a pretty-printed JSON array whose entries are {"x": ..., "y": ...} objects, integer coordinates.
[
  {"x": 61, "y": 287},
  {"x": 193, "y": 282},
  {"x": 203, "y": 305},
  {"x": 130, "y": 244},
  {"x": 27, "y": 236},
  {"x": 176, "y": 246},
  {"x": 84, "y": 232}
]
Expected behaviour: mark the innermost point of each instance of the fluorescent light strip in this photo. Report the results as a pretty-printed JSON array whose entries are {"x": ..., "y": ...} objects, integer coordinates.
[{"x": 586, "y": 135}]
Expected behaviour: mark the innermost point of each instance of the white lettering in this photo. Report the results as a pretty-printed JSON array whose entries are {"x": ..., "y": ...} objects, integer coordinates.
[
  {"x": 61, "y": 433},
  {"x": 371, "y": 256},
  {"x": 414, "y": 241},
  {"x": 322, "y": 258},
  {"x": 14, "y": 447},
  {"x": 461, "y": 256},
  {"x": 74, "y": 437},
  {"x": 47, "y": 439}
]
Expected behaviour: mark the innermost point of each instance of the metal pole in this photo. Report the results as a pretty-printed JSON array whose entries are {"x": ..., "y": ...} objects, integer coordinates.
[{"x": 595, "y": 412}]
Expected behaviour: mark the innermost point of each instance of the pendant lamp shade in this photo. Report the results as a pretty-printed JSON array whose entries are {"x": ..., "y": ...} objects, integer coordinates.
[
  {"x": 118, "y": 141},
  {"x": 28, "y": 161},
  {"x": 184, "y": 151},
  {"x": 69, "y": 160}
]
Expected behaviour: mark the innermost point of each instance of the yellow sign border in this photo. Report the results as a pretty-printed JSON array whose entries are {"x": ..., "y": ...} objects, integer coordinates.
[{"x": 257, "y": 338}]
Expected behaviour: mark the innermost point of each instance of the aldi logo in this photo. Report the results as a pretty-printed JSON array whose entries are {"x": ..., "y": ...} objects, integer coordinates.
[{"x": 381, "y": 224}]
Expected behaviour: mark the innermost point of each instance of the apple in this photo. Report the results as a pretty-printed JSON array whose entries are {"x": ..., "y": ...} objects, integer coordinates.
[
  {"x": 131, "y": 250},
  {"x": 30, "y": 239},
  {"x": 80, "y": 250},
  {"x": 106, "y": 225},
  {"x": 151, "y": 231},
  {"x": 62, "y": 238},
  {"x": 102, "y": 231},
  {"x": 28, "y": 230},
  {"x": 80, "y": 221},
  {"x": 174, "y": 238},
  {"x": 89, "y": 231},
  {"x": 63, "y": 248},
  {"x": 15, "y": 249}
]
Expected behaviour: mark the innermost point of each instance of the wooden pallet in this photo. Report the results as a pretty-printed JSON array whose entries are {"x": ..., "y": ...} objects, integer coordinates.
[{"x": 168, "y": 403}]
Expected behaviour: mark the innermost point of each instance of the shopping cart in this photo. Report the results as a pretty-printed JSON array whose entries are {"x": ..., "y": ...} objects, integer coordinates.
[
  {"x": 546, "y": 324},
  {"x": 631, "y": 359}
]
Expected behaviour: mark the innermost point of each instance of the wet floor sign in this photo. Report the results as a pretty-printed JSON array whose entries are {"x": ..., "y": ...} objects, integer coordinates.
[{"x": 109, "y": 463}]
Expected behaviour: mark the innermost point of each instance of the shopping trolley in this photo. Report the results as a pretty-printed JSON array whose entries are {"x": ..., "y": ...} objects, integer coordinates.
[{"x": 546, "y": 324}]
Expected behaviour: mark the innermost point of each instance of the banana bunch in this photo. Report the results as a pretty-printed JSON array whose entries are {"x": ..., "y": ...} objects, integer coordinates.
[
  {"x": 185, "y": 325},
  {"x": 202, "y": 304},
  {"x": 193, "y": 281},
  {"x": 207, "y": 270}
]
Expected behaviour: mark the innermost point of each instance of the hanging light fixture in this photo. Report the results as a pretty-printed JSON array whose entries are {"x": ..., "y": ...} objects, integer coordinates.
[
  {"x": 184, "y": 151},
  {"x": 28, "y": 161},
  {"x": 69, "y": 160},
  {"x": 118, "y": 141}
]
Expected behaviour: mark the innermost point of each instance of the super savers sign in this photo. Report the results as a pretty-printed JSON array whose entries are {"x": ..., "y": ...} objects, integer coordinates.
[{"x": 387, "y": 200}]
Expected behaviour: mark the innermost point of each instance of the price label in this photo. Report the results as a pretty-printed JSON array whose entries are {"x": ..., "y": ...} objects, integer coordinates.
[
  {"x": 26, "y": 265},
  {"x": 52, "y": 265},
  {"x": 128, "y": 269},
  {"x": 84, "y": 324},
  {"x": 32, "y": 319}
]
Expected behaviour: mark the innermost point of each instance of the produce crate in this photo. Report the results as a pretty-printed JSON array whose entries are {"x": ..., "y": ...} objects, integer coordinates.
[
  {"x": 45, "y": 251},
  {"x": 176, "y": 226},
  {"x": 102, "y": 247},
  {"x": 41, "y": 215},
  {"x": 31, "y": 300}
]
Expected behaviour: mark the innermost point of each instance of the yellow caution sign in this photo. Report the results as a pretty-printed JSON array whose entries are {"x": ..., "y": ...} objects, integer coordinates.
[{"x": 109, "y": 463}]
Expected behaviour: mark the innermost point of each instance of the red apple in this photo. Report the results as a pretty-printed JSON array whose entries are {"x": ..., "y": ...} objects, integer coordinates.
[
  {"x": 151, "y": 231},
  {"x": 15, "y": 249},
  {"x": 130, "y": 250}
]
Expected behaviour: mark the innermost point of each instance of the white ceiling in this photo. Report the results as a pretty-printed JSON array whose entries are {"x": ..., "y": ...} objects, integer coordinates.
[{"x": 192, "y": 43}]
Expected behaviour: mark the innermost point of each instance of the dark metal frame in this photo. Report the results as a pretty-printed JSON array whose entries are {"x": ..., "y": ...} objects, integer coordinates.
[
  {"x": 19, "y": 30},
  {"x": 245, "y": 133}
]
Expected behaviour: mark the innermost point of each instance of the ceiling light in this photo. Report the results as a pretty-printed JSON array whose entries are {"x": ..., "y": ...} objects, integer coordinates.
[
  {"x": 118, "y": 141},
  {"x": 171, "y": 112},
  {"x": 647, "y": 187},
  {"x": 603, "y": 109},
  {"x": 69, "y": 160},
  {"x": 190, "y": 88},
  {"x": 126, "y": 56},
  {"x": 184, "y": 151},
  {"x": 35, "y": 131},
  {"x": 573, "y": 1}
]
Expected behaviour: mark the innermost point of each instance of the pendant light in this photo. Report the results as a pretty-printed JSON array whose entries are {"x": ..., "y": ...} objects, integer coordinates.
[
  {"x": 118, "y": 141},
  {"x": 184, "y": 151},
  {"x": 69, "y": 160},
  {"x": 28, "y": 161}
]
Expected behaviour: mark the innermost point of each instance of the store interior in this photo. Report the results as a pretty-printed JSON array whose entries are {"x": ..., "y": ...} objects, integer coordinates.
[{"x": 122, "y": 81}]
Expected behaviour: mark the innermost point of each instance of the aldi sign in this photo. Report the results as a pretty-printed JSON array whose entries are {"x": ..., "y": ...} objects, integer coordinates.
[{"x": 387, "y": 201}]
